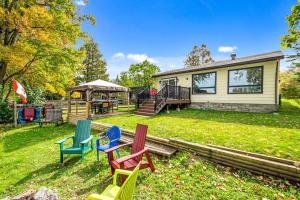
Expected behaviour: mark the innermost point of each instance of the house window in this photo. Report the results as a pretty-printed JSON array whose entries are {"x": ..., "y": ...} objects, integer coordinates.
[
  {"x": 204, "y": 83},
  {"x": 169, "y": 81},
  {"x": 245, "y": 81}
]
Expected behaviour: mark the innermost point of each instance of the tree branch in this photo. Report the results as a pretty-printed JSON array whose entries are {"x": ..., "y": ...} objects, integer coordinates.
[{"x": 24, "y": 69}]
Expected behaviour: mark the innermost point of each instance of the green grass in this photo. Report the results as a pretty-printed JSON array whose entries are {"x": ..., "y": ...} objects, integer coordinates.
[
  {"x": 30, "y": 159},
  {"x": 272, "y": 134}
]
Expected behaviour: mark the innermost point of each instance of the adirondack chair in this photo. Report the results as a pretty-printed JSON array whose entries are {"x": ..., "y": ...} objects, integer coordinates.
[
  {"x": 138, "y": 149},
  {"x": 114, "y": 135},
  {"x": 125, "y": 192},
  {"x": 81, "y": 139}
]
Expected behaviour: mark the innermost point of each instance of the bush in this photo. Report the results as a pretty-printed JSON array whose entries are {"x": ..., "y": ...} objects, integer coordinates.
[{"x": 6, "y": 113}]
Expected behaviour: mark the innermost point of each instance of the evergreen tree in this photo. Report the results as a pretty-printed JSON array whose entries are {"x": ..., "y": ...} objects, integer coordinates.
[
  {"x": 193, "y": 58},
  {"x": 198, "y": 56},
  {"x": 94, "y": 65}
]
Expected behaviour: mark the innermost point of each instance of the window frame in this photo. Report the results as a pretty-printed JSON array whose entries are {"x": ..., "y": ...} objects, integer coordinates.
[
  {"x": 262, "y": 80},
  {"x": 215, "y": 87}
]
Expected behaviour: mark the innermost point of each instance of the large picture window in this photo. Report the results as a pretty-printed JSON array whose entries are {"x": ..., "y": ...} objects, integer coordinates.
[
  {"x": 204, "y": 83},
  {"x": 245, "y": 81}
]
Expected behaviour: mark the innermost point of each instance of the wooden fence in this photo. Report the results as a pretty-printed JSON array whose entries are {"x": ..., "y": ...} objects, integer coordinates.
[{"x": 256, "y": 163}]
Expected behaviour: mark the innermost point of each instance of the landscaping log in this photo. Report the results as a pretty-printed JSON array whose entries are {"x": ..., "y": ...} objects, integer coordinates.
[{"x": 256, "y": 163}]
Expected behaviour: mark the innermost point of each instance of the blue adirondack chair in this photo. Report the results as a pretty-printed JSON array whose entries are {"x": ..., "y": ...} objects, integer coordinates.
[
  {"x": 81, "y": 141},
  {"x": 114, "y": 135}
]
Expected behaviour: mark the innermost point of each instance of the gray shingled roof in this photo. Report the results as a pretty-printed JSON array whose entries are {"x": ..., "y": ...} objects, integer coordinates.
[{"x": 227, "y": 63}]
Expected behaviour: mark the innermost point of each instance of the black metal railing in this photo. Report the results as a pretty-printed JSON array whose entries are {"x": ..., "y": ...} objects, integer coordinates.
[
  {"x": 171, "y": 92},
  {"x": 134, "y": 91},
  {"x": 160, "y": 97},
  {"x": 167, "y": 92},
  {"x": 142, "y": 96}
]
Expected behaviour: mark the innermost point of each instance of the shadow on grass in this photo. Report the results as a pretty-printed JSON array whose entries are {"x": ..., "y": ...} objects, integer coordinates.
[
  {"x": 290, "y": 107},
  {"x": 56, "y": 168},
  {"x": 30, "y": 135},
  {"x": 281, "y": 120}
]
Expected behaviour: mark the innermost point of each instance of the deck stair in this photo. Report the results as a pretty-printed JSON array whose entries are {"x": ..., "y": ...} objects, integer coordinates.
[{"x": 147, "y": 108}]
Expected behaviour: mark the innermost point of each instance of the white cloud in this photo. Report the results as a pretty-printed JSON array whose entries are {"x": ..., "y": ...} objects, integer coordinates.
[
  {"x": 227, "y": 49},
  {"x": 81, "y": 2},
  {"x": 140, "y": 58},
  {"x": 118, "y": 56}
]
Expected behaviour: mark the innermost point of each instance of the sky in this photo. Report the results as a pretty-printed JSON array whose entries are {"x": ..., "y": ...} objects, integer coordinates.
[{"x": 165, "y": 31}]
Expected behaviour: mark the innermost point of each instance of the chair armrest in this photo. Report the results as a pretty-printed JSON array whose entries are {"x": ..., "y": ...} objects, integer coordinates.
[
  {"x": 115, "y": 140},
  {"x": 117, "y": 147},
  {"x": 86, "y": 140},
  {"x": 95, "y": 197},
  {"x": 120, "y": 171},
  {"x": 98, "y": 140},
  {"x": 123, "y": 159},
  {"x": 63, "y": 140}
]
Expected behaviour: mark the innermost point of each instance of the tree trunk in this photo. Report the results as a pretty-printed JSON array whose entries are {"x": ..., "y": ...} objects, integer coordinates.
[{"x": 3, "y": 67}]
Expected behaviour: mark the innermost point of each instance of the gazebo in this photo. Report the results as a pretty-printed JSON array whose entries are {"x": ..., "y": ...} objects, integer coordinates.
[{"x": 83, "y": 107}]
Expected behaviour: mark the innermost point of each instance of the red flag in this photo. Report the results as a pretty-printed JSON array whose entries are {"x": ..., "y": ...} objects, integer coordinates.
[{"x": 18, "y": 88}]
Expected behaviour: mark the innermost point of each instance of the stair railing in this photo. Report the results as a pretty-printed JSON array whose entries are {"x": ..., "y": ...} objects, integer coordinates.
[
  {"x": 160, "y": 97},
  {"x": 142, "y": 96}
]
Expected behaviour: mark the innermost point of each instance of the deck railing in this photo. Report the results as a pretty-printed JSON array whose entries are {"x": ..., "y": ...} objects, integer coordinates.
[
  {"x": 142, "y": 96},
  {"x": 167, "y": 92},
  {"x": 171, "y": 92}
]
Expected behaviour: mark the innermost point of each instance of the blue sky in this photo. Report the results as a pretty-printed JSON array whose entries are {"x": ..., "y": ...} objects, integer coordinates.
[{"x": 164, "y": 31}]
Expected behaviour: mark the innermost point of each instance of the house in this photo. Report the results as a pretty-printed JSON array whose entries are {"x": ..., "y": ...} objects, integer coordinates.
[{"x": 247, "y": 84}]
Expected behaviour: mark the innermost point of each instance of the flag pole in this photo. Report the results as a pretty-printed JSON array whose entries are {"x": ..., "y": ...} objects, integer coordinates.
[{"x": 15, "y": 107}]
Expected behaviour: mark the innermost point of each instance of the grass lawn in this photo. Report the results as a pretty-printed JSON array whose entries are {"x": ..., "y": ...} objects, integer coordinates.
[
  {"x": 272, "y": 134},
  {"x": 30, "y": 159}
]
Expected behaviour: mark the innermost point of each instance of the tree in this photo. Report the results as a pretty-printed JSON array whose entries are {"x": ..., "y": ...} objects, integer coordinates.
[
  {"x": 139, "y": 74},
  {"x": 198, "y": 56},
  {"x": 37, "y": 43},
  {"x": 291, "y": 40},
  {"x": 289, "y": 86},
  {"x": 94, "y": 66}
]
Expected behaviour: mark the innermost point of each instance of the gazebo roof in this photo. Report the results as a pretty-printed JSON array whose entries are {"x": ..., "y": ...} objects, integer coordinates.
[{"x": 100, "y": 86}]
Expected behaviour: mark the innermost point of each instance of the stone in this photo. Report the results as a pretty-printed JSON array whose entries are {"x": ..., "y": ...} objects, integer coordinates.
[
  {"x": 45, "y": 194},
  {"x": 25, "y": 195},
  {"x": 239, "y": 107}
]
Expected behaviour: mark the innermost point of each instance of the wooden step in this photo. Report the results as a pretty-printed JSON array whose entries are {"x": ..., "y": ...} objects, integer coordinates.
[
  {"x": 144, "y": 113},
  {"x": 148, "y": 107},
  {"x": 154, "y": 148},
  {"x": 149, "y": 104},
  {"x": 146, "y": 110}
]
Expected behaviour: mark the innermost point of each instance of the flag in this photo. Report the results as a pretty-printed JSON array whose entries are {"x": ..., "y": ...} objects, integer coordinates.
[{"x": 18, "y": 88}]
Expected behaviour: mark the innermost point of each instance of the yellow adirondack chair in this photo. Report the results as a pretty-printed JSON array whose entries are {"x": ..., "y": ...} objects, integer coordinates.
[{"x": 124, "y": 192}]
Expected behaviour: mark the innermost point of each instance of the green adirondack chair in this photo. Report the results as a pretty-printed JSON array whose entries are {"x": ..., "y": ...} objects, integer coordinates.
[
  {"x": 124, "y": 192},
  {"x": 81, "y": 141}
]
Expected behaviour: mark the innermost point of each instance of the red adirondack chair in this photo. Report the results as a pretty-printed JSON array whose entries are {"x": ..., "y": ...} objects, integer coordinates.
[{"x": 138, "y": 149}]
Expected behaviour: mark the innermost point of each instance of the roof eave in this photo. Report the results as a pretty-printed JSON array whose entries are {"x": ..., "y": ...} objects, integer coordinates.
[{"x": 221, "y": 66}]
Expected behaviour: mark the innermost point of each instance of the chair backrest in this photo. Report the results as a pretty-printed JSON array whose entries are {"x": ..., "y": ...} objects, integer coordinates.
[
  {"x": 127, "y": 189},
  {"x": 139, "y": 140},
  {"x": 113, "y": 133},
  {"x": 83, "y": 131}
]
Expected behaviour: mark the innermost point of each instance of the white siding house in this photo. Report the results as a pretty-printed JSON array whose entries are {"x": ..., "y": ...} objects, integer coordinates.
[{"x": 240, "y": 84}]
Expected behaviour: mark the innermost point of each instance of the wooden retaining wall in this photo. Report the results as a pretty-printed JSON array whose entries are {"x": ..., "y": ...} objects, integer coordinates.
[{"x": 256, "y": 163}]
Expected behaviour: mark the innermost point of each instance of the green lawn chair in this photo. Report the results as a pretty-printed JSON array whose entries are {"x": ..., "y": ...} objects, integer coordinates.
[
  {"x": 124, "y": 192},
  {"x": 81, "y": 140}
]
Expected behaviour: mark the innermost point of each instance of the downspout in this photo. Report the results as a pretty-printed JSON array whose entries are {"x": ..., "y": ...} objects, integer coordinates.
[{"x": 276, "y": 83}]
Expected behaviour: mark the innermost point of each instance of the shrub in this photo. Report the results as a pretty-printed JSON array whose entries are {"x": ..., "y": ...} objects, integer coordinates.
[{"x": 6, "y": 113}]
